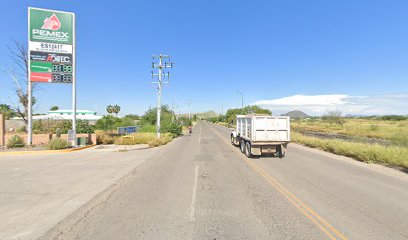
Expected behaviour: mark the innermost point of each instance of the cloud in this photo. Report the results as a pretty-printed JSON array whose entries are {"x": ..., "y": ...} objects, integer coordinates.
[{"x": 357, "y": 105}]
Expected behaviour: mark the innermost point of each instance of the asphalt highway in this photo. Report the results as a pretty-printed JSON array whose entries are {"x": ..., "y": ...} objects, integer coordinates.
[{"x": 202, "y": 187}]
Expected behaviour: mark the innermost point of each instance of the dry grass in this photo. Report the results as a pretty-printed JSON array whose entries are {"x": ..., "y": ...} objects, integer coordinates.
[
  {"x": 370, "y": 153},
  {"x": 144, "y": 138},
  {"x": 395, "y": 131}
]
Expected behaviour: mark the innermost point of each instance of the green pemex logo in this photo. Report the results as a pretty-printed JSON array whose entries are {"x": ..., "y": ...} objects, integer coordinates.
[{"x": 51, "y": 26}]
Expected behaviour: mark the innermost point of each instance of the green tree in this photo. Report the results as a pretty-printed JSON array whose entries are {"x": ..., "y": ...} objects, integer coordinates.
[
  {"x": 334, "y": 117},
  {"x": 231, "y": 114},
  {"x": 7, "y": 111},
  {"x": 107, "y": 122},
  {"x": 148, "y": 120},
  {"x": 113, "y": 109},
  {"x": 133, "y": 116},
  {"x": 54, "y": 108},
  {"x": 83, "y": 126}
]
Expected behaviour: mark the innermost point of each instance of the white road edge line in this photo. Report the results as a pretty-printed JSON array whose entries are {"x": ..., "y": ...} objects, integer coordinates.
[{"x": 193, "y": 198}]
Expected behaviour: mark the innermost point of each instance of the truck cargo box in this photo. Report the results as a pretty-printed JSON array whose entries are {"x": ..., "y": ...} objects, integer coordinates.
[{"x": 262, "y": 134}]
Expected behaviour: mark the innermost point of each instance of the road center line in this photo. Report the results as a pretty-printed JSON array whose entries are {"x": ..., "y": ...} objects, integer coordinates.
[
  {"x": 193, "y": 198},
  {"x": 322, "y": 224}
]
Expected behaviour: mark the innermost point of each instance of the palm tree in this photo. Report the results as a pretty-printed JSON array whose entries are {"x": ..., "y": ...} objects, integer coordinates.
[
  {"x": 109, "y": 109},
  {"x": 113, "y": 109},
  {"x": 116, "y": 109},
  {"x": 7, "y": 111}
]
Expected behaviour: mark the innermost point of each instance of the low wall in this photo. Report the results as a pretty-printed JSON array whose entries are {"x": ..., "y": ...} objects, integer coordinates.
[
  {"x": 42, "y": 139},
  {"x": 2, "y": 130}
]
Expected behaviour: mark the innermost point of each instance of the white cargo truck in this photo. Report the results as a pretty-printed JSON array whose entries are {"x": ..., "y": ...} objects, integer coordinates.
[{"x": 262, "y": 134}]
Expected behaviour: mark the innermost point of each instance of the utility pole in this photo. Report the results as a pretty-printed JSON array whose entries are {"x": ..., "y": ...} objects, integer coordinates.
[{"x": 164, "y": 62}]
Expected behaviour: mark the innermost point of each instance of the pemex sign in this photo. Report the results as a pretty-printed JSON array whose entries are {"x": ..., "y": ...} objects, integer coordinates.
[
  {"x": 51, "y": 45},
  {"x": 51, "y": 54}
]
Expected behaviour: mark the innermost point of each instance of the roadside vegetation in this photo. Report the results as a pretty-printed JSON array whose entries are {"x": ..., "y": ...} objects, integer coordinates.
[
  {"x": 391, "y": 129},
  {"x": 171, "y": 127},
  {"x": 394, "y": 130},
  {"x": 58, "y": 143},
  {"x": 15, "y": 141},
  {"x": 369, "y": 153},
  {"x": 229, "y": 118},
  {"x": 144, "y": 138}
]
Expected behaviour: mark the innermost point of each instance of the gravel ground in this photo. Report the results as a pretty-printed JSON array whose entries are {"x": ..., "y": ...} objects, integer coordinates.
[{"x": 34, "y": 148}]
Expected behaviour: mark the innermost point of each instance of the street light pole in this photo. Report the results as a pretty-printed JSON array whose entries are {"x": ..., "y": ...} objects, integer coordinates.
[
  {"x": 242, "y": 101},
  {"x": 189, "y": 110}
]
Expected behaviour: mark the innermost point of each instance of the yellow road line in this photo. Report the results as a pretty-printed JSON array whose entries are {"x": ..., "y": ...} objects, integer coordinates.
[{"x": 322, "y": 224}]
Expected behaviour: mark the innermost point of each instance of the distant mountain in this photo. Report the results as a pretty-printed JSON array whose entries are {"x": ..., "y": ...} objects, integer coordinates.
[
  {"x": 206, "y": 115},
  {"x": 296, "y": 114}
]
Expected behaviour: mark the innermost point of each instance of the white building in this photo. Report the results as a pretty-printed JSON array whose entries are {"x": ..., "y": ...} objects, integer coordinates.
[{"x": 67, "y": 115}]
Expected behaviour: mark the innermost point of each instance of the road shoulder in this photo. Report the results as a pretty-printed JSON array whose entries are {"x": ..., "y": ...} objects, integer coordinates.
[{"x": 39, "y": 191}]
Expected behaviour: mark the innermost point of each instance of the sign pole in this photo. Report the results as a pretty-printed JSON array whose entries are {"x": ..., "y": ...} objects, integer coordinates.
[
  {"x": 29, "y": 92},
  {"x": 30, "y": 115},
  {"x": 74, "y": 82}
]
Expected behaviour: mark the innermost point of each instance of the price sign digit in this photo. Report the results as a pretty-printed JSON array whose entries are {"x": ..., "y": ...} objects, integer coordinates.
[{"x": 67, "y": 68}]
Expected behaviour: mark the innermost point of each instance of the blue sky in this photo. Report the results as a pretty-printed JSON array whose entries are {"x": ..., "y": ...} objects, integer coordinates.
[{"x": 271, "y": 51}]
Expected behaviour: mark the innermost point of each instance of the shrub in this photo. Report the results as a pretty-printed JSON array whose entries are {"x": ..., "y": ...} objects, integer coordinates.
[
  {"x": 394, "y": 117},
  {"x": 105, "y": 137},
  {"x": 334, "y": 117},
  {"x": 148, "y": 128},
  {"x": 155, "y": 142},
  {"x": 107, "y": 122},
  {"x": 145, "y": 138},
  {"x": 58, "y": 143},
  {"x": 15, "y": 141},
  {"x": 173, "y": 128}
]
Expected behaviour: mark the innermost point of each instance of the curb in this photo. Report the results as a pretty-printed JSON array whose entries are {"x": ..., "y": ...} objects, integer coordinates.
[{"x": 48, "y": 151}]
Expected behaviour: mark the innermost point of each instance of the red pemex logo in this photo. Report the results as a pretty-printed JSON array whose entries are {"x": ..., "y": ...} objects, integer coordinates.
[{"x": 52, "y": 23}]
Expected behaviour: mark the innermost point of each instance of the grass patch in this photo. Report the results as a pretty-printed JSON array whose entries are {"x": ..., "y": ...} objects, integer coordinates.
[
  {"x": 394, "y": 131},
  {"x": 144, "y": 138},
  {"x": 369, "y": 153}
]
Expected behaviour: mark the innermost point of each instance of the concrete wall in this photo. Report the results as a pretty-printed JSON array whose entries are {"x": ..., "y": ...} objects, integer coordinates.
[{"x": 2, "y": 130}]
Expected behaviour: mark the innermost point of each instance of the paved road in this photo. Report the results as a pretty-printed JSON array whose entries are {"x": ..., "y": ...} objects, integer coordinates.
[
  {"x": 201, "y": 187},
  {"x": 37, "y": 191}
]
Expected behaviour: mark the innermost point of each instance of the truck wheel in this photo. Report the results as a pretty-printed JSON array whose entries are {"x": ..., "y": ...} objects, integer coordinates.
[
  {"x": 280, "y": 153},
  {"x": 248, "y": 150},
  {"x": 242, "y": 145}
]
